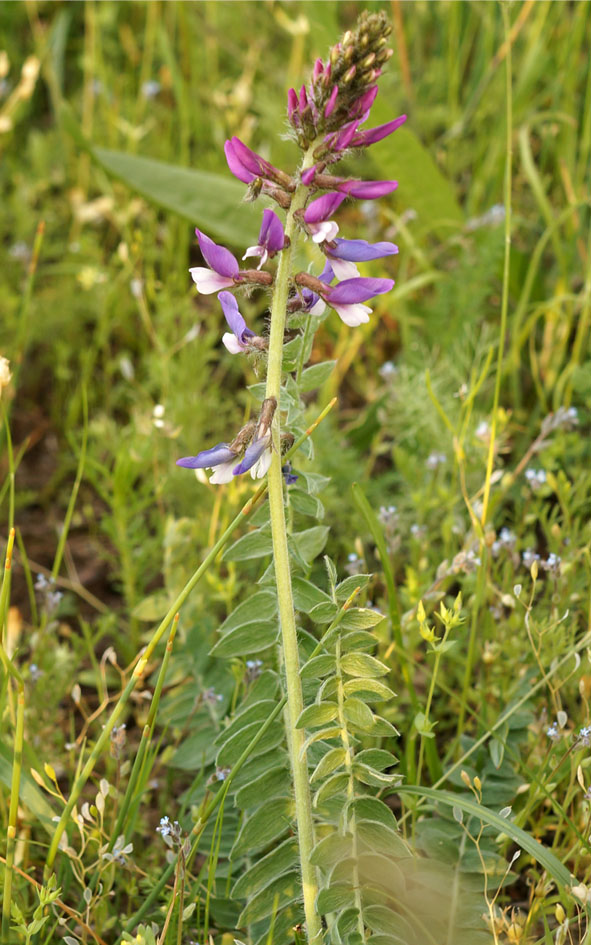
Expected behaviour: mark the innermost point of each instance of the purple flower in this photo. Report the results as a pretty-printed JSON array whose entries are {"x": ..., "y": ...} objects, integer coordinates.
[
  {"x": 330, "y": 105},
  {"x": 223, "y": 267},
  {"x": 220, "y": 458},
  {"x": 257, "y": 457},
  {"x": 271, "y": 238},
  {"x": 235, "y": 341},
  {"x": 314, "y": 304},
  {"x": 246, "y": 164},
  {"x": 316, "y": 216},
  {"x": 364, "y": 103},
  {"x": 308, "y": 175},
  {"x": 364, "y": 138},
  {"x": 343, "y": 255},
  {"x": 367, "y": 189},
  {"x": 346, "y": 298},
  {"x": 339, "y": 140}
]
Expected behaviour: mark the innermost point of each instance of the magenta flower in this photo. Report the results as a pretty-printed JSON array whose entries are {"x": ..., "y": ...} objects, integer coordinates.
[
  {"x": 367, "y": 189},
  {"x": 364, "y": 138},
  {"x": 220, "y": 458},
  {"x": 223, "y": 267},
  {"x": 343, "y": 254},
  {"x": 271, "y": 238},
  {"x": 347, "y": 297},
  {"x": 246, "y": 165},
  {"x": 237, "y": 340},
  {"x": 316, "y": 217},
  {"x": 330, "y": 105}
]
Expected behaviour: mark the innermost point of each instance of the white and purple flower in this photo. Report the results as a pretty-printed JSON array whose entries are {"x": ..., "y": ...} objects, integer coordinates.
[
  {"x": 316, "y": 217},
  {"x": 271, "y": 239},
  {"x": 240, "y": 338},
  {"x": 220, "y": 458},
  {"x": 343, "y": 254},
  {"x": 223, "y": 268},
  {"x": 347, "y": 298}
]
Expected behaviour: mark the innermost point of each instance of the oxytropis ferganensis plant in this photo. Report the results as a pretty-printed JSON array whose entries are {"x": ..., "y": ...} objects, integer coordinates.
[{"x": 341, "y": 864}]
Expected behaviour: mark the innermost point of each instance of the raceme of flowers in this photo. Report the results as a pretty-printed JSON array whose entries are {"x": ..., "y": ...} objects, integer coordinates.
[{"x": 327, "y": 118}]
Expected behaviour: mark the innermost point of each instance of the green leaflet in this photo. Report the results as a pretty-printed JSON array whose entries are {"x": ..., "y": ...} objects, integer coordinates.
[
  {"x": 318, "y": 714},
  {"x": 332, "y": 760},
  {"x": 261, "y": 606},
  {"x": 270, "y": 867},
  {"x": 315, "y": 376},
  {"x": 361, "y": 664},
  {"x": 233, "y": 748},
  {"x": 255, "y": 544},
  {"x": 250, "y": 638},
  {"x": 361, "y": 618},
  {"x": 309, "y": 543},
  {"x": 350, "y": 584},
  {"x": 256, "y": 711},
  {"x": 268, "y": 823},
  {"x": 273, "y": 783},
  {"x": 306, "y": 595},
  {"x": 331, "y": 849},
  {"x": 334, "y": 898},
  {"x": 372, "y": 690}
]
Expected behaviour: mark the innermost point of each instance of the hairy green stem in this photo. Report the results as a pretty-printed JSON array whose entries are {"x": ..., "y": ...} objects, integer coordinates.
[{"x": 291, "y": 658}]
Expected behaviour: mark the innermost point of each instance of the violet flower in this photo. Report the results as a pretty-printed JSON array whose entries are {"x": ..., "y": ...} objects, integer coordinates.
[
  {"x": 367, "y": 189},
  {"x": 271, "y": 238},
  {"x": 246, "y": 164},
  {"x": 220, "y": 458},
  {"x": 316, "y": 217},
  {"x": 346, "y": 298},
  {"x": 364, "y": 138},
  {"x": 257, "y": 457},
  {"x": 238, "y": 339},
  {"x": 223, "y": 267},
  {"x": 343, "y": 254}
]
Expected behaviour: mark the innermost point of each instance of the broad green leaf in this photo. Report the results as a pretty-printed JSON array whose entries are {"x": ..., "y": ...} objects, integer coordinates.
[
  {"x": 310, "y": 543},
  {"x": 361, "y": 664},
  {"x": 334, "y": 898},
  {"x": 547, "y": 860},
  {"x": 382, "y": 728},
  {"x": 274, "y": 783},
  {"x": 383, "y": 919},
  {"x": 358, "y": 715},
  {"x": 255, "y": 768},
  {"x": 405, "y": 158},
  {"x": 261, "y": 606},
  {"x": 270, "y": 867},
  {"x": 370, "y": 690},
  {"x": 212, "y": 202},
  {"x": 316, "y": 375},
  {"x": 360, "y": 618},
  {"x": 332, "y": 760},
  {"x": 268, "y": 823},
  {"x": 359, "y": 640},
  {"x": 255, "y": 544},
  {"x": 376, "y": 758},
  {"x": 367, "y": 775},
  {"x": 272, "y": 898},
  {"x": 249, "y": 638},
  {"x": 306, "y": 595},
  {"x": 195, "y": 752},
  {"x": 347, "y": 922},
  {"x": 319, "y": 714},
  {"x": 233, "y": 748},
  {"x": 324, "y": 733}
]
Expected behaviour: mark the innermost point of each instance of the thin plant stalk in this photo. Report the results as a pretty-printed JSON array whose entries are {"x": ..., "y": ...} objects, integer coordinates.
[
  {"x": 291, "y": 659},
  {"x": 101, "y": 743}
]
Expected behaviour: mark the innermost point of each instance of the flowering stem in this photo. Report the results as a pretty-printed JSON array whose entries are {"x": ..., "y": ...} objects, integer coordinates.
[{"x": 295, "y": 705}]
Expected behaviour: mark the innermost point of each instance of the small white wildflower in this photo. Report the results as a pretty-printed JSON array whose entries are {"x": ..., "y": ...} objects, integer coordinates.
[
  {"x": 5, "y": 374},
  {"x": 136, "y": 287},
  {"x": 435, "y": 459}
]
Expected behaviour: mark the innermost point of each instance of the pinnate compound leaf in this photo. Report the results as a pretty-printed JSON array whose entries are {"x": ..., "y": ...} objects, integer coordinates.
[
  {"x": 361, "y": 664},
  {"x": 270, "y": 867},
  {"x": 267, "y": 824},
  {"x": 319, "y": 714},
  {"x": 249, "y": 638}
]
